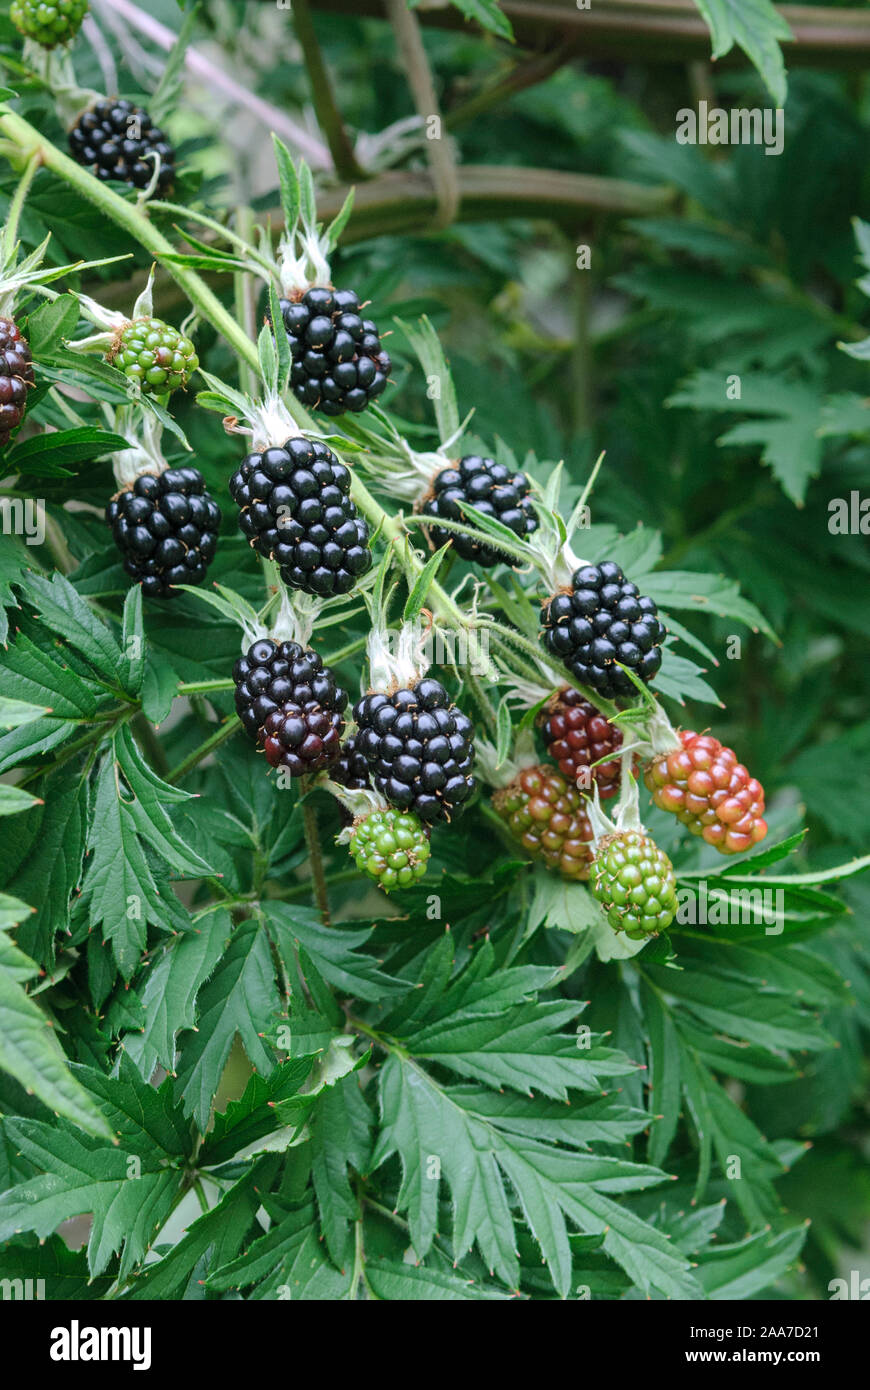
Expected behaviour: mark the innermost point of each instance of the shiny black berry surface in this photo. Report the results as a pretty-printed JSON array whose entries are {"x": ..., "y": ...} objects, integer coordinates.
[
  {"x": 166, "y": 528},
  {"x": 117, "y": 140},
  {"x": 350, "y": 768},
  {"x": 419, "y": 749},
  {"x": 290, "y": 704},
  {"x": 338, "y": 361},
  {"x": 295, "y": 507},
  {"x": 602, "y": 621},
  {"x": 491, "y": 488}
]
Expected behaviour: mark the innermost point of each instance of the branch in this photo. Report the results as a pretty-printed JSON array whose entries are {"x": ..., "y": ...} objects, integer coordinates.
[
  {"x": 663, "y": 31},
  {"x": 328, "y": 115},
  {"x": 439, "y": 155}
]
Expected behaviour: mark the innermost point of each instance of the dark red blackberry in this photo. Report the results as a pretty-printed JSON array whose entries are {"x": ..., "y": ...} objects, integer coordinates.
[
  {"x": 491, "y": 488},
  {"x": 338, "y": 361},
  {"x": 116, "y": 140},
  {"x": 351, "y": 769},
  {"x": 600, "y": 620},
  {"x": 166, "y": 528},
  {"x": 295, "y": 508},
  {"x": 577, "y": 735},
  {"x": 290, "y": 704},
  {"x": 419, "y": 749},
  {"x": 16, "y": 377}
]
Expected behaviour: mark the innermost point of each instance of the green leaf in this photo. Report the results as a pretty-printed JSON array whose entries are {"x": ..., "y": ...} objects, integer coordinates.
[
  {"x": 430, "y": 354},
  {"x": 288, "y": 1262},
  {"x": 50, "y": 454},
  {"x": 66, "y": 613},
  {"x": 42, "y": 858},
  {"x": 407, "y": 1283},
  {"x": 711, "y": 593},
  {"x": 340, "y": 1139},
  {"x": 758, "y": 28},
  {"x": 14, "y": 713},
  {"x": 175, "y": 975},
  {"x": 288, "y": 183},
  {"x": 488, "y": 14},
  {"x": 50, "y": 323},
  {"x": 333, "y": 950},
  {"x": 239, "y": 998},
  {"x": 147, "y": 808},
  {"x": 15, "y": 799},
  {"x": 422, "y": 584},
  {"x": 740, "y": 1271}
]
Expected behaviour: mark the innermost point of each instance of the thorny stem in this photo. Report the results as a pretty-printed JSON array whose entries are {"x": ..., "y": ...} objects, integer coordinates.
[{"x": 312, "y": 842}]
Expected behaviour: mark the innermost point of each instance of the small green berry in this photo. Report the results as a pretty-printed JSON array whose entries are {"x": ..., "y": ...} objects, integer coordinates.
[
  {"x": 48, "y": 22},
  {"x": 392, "y": 847},
  {"x": 156, "y": 356},
  {"x": 634, "y": 882}
]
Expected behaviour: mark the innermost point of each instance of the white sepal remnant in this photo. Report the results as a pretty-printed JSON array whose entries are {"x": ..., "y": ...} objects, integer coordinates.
[
  {"x": 495, "y": 774},
  {"x": 626, "y": 815},
  {"x": 295, "y": 618},
  {"x": 396, "y": 659},
  {"x": 271, "y": 423},
  {"x": 302, "y": 260},
  {"x": 360, "y": 801},
  {"x": 144, "y": 432}
]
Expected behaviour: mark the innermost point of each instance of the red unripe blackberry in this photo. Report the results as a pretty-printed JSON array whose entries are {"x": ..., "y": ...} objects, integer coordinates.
[
  {"x": 295, "y": 507},
  {"x": 705, "y": 787},
  {"x": 601, "y": 620},
  {"x": 419, "y": 748},
  {"x": 490, "y": 488},
  {"x": 166, "y": 528},
  {"x": 338, "y": 361},
  {"x": 16, "y": 377},
  {"x": 117, "y": 140},
  {"x": 577, "y": 735},
  {"x": 547, "y": 815},
  {"x": 291, "y": 704}
]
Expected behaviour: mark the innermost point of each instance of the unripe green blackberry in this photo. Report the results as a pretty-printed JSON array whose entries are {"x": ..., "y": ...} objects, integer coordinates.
[
  {"x": 390, "y": 846},
  {"x": 48, "y": 22},
  {"x": 635, "y": 883},
  {"x": 154, "y": 355}
]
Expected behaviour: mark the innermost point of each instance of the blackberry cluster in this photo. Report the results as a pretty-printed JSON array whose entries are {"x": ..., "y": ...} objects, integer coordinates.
[
  {"x": 350, "y": 768},
  {"x": 634, "y": 882},
  {"x": 48, "y": 22},
  {"x": 489, "y": 487},
  {"x": 295, "y": 508},
  {"x": 419, "y": 749},
  {"x": 116, "y": 140},
  {"x": 154, "y": 355},
  {"x": 166, "y": 528},
  {"x": 601, "y": 620},
  {"x": 16, "y": 376},
  {"x": 547, "y": 815},
  {"x": 338, "y": 361},
  {"x": 577, "y": 735},
  {"x": 291, "y": 704}
]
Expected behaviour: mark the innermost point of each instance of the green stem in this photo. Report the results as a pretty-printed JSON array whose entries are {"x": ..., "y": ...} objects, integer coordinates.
[
  {"x": 205, "y": 687},
  {"x": 10, "y": 231},
  {"x": 315, "y": 858},
  {"x": 225, "y": 731}
]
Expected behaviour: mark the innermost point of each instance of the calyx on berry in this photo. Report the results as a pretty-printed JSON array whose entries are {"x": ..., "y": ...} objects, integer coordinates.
[{"x": 155, "y": 357}]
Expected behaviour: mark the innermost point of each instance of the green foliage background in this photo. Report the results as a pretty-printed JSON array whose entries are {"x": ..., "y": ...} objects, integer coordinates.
[{"x": 310, "y": 1149}]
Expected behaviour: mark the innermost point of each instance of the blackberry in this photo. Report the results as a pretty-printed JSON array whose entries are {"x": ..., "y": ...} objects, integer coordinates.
[
  {"x": 295, "y": 508},
  {"x": 491, "y": 488},
  {"x": 116, "y": 140},
  {"x": 351, "y": 769},
  {"x": 390, "y": 846},
  {"x": 634, "y": 882},
  {"x": 154, "y": 355},
  {"x": 548, "y": 817},
  {"x": 48, "y": 22},
  {"x": 166, "y": 528},
  {"x": 705, "y": 787},
  {"x": 577, "y": 735},
  {"x": 600, "y": 620},
  {"x": 16, "y": 377},
  {"x": 419, "y": 748},
  {"x": 290, "y": 704},
  {"x": 338, "y": 361}
]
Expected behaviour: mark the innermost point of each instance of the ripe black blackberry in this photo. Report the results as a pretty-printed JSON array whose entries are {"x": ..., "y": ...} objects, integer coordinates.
[
  {"x": 338, "y": 361},
  {"x": 16, "y": 378},
  {"x": 350, "y": 769},
  {"x": 295, "y": 508},
  {"x": 166, "y": 528},
  {"x": 491, "y": 488},
  {"x": 291, "y": 705},
  {"x": 116, "y": 140},
  {"x": 601, "y": 620},
  {"x": 419, "y": 749}
]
